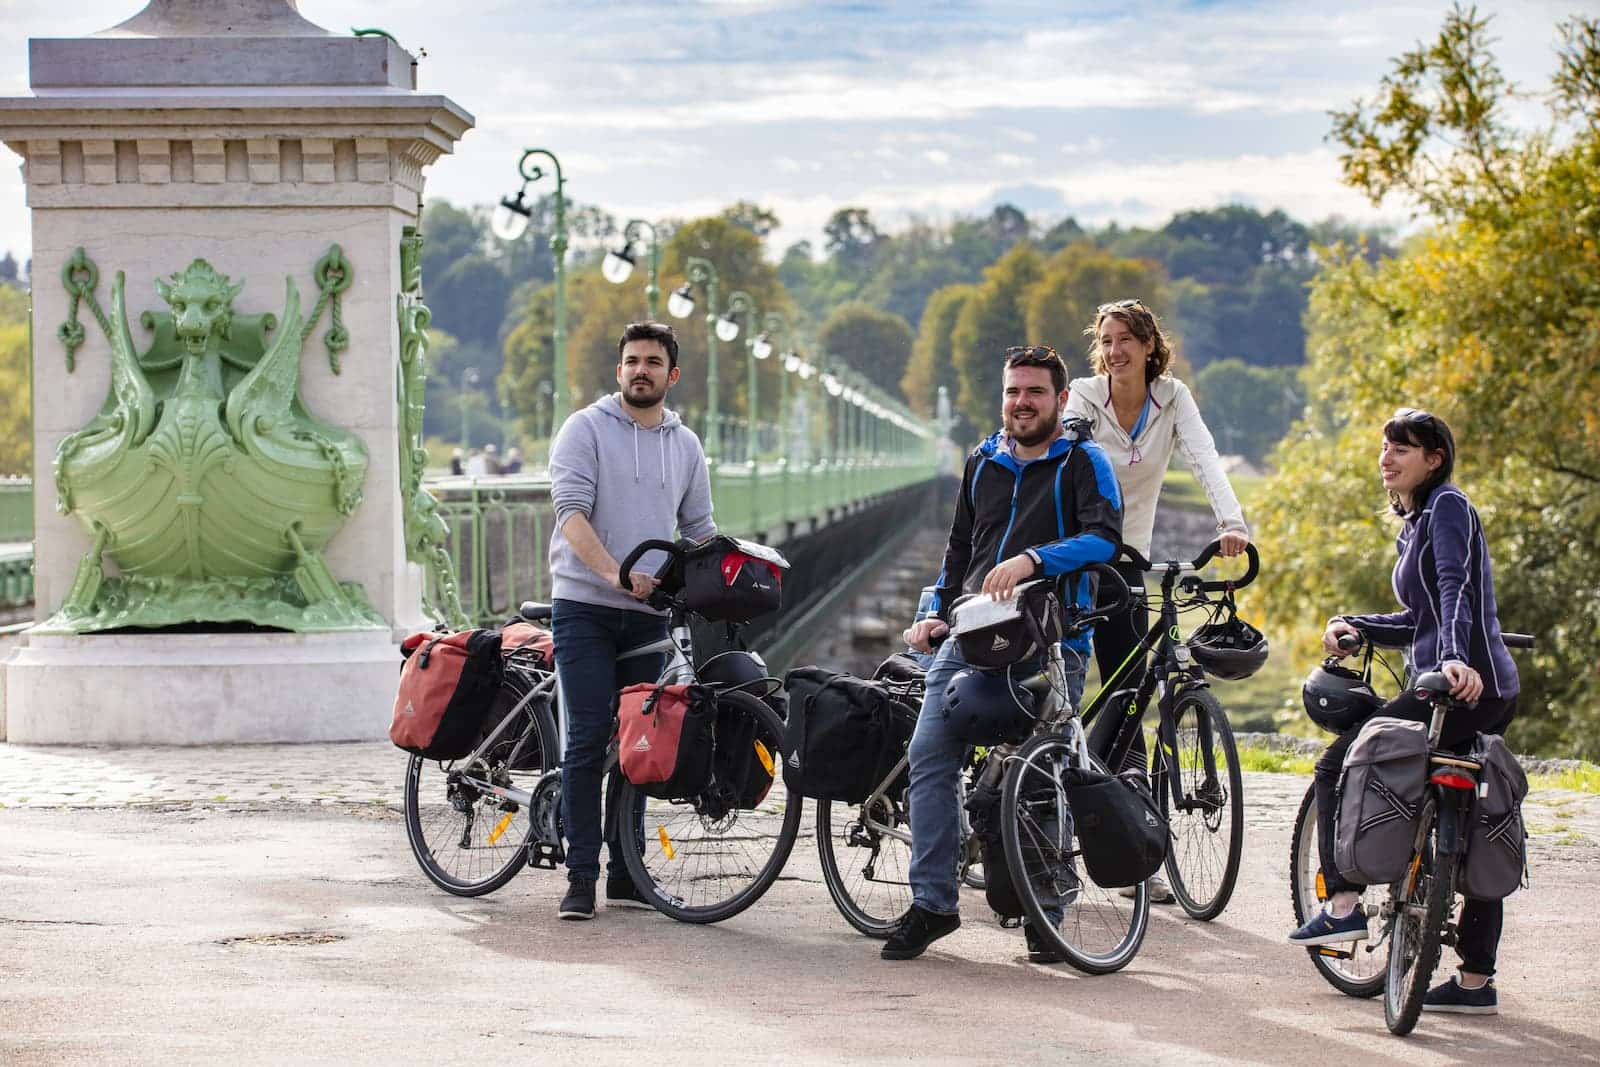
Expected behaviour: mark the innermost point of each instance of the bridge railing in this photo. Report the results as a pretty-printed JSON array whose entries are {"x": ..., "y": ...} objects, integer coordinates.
[{"x": 500, "y": 526}]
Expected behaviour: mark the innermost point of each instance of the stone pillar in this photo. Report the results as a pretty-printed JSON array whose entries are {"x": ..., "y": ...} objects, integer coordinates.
[{"x": 238, "y": 133}]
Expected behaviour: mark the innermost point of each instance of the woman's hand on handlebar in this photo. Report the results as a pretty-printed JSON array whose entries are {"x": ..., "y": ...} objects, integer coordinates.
[
  {"x": 1338, "y": 628},
  {"x": 640, "y": 585},
  {"x": 921, "y": 634},
  {"x": 1466, "y": 684},
  {"x": 1232, "y": 543}
]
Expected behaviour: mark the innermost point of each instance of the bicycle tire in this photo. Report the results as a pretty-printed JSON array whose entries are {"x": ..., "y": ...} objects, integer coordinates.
[
  {"x": 1201, "y": 873},
  {"x": 650, "y": 849},
  {"x": 1348, "y": 976},
  {"x": 450, "y": 842},
  {"x": 1417, "y": 940},
  {"x": 866, "y": 870},
  {"x": 1032, "y": 806}
]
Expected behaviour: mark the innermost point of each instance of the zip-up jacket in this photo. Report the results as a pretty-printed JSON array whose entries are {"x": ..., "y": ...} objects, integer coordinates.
[
  {"x": 1443, "y": 578},
  {"x": 1063, "y": 509}
]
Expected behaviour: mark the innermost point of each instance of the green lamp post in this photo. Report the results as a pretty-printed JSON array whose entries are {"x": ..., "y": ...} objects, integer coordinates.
[
  {"x": 617, "y": 266},
  {"x": 510, "y": 222},
  {"x": 680, "y": 305},
  {"x": 742, "y": 303}
]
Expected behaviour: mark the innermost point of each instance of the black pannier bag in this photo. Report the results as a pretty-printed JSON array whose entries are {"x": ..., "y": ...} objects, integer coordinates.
[
  {"x": 999, "y": 887},
  {"x": 743, "y": 761},
  {"x": 843, "y": 734},
  {"x": 729, "y": 580},
  {"x": 1121, "y": 833},
  {"x": 1496, "y": 864}
]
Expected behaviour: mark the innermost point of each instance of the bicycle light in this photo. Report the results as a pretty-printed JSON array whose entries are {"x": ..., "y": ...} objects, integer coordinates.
[{"x": 1453, "y": 780}]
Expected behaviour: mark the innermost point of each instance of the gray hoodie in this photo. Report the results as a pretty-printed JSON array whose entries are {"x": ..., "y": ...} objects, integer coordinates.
[{"x": 633, "y": 483}]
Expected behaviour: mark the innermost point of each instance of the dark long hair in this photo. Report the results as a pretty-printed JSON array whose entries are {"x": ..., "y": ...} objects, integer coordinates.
[{"x": 1420, "y": 429}]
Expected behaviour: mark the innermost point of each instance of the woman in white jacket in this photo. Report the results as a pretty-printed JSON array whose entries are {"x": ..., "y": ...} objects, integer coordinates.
[{"x": 1140, "y": 413}]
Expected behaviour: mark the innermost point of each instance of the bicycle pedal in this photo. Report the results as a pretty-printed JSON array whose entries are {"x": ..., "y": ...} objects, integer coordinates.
[
  {"x": 545, "y": 855},
  {"x": 1335, "y": 953}
]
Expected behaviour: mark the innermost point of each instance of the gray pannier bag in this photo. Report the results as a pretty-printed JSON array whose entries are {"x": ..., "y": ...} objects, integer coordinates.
[
  {"x": 1379, "y": 799},
  {"x": 1497, "y": 849}
]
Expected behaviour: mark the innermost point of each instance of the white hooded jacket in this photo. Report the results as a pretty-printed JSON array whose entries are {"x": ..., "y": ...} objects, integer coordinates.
[{"x": 1141, "y": 464}]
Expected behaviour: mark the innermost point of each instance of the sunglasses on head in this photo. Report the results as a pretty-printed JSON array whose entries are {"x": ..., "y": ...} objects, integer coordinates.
[
  {"x": 1021, "y": 352},
  {"x": 1415, "y": 416},
  {"x": 1120, "y": 305}
]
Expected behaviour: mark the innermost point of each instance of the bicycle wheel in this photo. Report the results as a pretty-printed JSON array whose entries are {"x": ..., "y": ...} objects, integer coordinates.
[
  {"x": 1100, "y": 930},
  {"x": 706, "y": 860},
  {"x": 865, "y": 851},
  {"x": 1205, "y": 807},
  {"x": 1422, "y": 905},
  {"x": 470, "y": 842},
  {"x": 1354, "y": 969}
]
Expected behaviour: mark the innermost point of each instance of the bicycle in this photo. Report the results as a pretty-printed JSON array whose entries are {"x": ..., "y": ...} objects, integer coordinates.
[
  {"x": 1416, "y": 911},
  {"x": 695, "y": 863},
  {"x": 1099, "y": 931},
  {"x": 1201, "y": 794}
]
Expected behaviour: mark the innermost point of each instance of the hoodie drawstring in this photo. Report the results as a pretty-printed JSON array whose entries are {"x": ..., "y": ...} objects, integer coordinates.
[
  {"x": 636, "y": 452},
  {"x": 662, "y": 433}
]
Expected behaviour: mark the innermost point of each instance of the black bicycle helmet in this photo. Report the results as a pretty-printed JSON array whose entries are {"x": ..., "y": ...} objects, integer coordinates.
[
  {"x": 1338, "y": 698},
  {"x": 987, "y": 708},
  {"x": 1230, "y": 650}
]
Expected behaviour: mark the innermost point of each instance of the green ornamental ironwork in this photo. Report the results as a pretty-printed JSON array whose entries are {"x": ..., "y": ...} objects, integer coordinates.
[
  {"x": 203, "y": 476},
  {"x": 426, "y": 532}
]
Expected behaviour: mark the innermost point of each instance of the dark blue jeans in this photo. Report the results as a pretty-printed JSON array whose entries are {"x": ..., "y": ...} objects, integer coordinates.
[{"x": 588, "y": 639}]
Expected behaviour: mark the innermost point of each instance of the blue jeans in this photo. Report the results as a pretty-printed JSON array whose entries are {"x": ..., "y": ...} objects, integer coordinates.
[
  {"x": 588, "y": 639},
  {"x": 935, "y": 795}
]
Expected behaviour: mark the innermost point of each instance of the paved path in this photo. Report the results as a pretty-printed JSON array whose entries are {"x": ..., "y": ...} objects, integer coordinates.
[{"x": 258, "y": 904}]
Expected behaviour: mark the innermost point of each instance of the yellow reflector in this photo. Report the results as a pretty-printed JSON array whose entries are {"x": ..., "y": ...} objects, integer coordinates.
[
  {"x": 1322, "y": 887},
  {"x": 666, "y": 842},
  {"x": 500, "y": 828},
  {"x": 764, "y": 756}
]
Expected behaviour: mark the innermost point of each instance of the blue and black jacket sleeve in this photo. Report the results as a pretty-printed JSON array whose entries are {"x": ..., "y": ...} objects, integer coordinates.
[{"x": 1096, "y": 512}]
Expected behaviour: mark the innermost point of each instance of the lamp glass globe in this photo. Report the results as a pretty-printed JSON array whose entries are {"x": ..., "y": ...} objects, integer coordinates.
[
  {"x": 680, "y": 305},
  {"x": 616, "y": 267},
  {"x": 727, "y": 329},
  {"x": 508, "y": 223}
]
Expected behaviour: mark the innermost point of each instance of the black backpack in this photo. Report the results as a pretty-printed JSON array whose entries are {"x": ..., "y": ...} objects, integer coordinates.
[
  {"x": 843, "y": 734},
  {"x": 1122, "y": 835}
]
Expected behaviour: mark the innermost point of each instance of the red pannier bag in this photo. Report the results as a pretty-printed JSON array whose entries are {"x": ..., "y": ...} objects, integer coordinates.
[
  {"x": 447, "y": 686},
  {"x": 664, "y": 737},
  {"x": 525, "y": 636}
]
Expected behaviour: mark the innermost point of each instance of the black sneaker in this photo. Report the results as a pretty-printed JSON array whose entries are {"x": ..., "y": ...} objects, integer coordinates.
[
  {"x": 622, "y": 893},
  {"x": 1038, "y": 950},
  {"x": 917, "y": 930},
  {"x": 1454, "y": 997},
  {"x": 579, "y": 901}
]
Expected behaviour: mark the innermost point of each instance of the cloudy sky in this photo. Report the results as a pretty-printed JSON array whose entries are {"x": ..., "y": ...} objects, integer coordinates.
[{"x": 1125, "y": 111}]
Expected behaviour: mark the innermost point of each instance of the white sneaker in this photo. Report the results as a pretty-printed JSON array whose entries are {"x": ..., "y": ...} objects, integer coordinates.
[{"x": 1160, "y": 891}]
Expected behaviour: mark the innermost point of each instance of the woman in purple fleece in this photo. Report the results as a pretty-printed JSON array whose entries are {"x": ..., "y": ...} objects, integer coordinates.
[{"x": 1449, "y": 623}]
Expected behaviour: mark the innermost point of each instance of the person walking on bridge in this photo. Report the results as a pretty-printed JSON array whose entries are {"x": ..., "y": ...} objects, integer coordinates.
[
  {"x": 623, "y": 470},
  {"x": 1038, "y": 499}
]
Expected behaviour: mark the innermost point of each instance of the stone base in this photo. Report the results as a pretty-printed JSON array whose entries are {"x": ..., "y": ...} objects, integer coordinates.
[{"x": 200, "y": 689}]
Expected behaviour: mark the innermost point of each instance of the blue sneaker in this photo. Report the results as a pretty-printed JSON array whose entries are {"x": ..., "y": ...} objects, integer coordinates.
[
  {"x": 1324, "y": 929},
  {"x": 1452, "y": 996}
]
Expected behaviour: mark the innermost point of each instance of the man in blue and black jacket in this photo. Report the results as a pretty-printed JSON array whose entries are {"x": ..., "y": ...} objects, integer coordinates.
[{"x": 1038, "y": 499}]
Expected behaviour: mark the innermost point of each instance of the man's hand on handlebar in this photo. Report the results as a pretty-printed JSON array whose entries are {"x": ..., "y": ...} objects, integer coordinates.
[
  {"x": 640, "y": 585},
  {"x": 1232, "y": 543},
  {"x": 1001, "y": 582},
  {"x": 1338, "y": 628},
  {"x": 921, "y": 634}
]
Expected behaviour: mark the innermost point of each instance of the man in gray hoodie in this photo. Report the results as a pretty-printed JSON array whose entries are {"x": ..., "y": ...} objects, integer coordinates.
[{"x": 623, "y": 470}]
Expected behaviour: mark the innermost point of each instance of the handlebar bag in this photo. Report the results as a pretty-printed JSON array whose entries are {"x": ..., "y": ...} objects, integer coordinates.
[
  {"x": 664, "y": 738},
  {"x": 843, "y": 734},
  {"x": 1497, "y": 845},
  {"x": 994, "y": 634},
  {"x": 1122, "y": 834},
  {"x": 447, "y": 685},
  {"x": 729, "y": 580},
  {"x": 1379, "y": 799}
]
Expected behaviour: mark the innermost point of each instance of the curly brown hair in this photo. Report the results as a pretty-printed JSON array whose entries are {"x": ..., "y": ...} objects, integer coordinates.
[{"x": 1144, "y": 326}]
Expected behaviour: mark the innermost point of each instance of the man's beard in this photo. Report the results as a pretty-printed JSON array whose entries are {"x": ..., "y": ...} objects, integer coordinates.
[
  {"x": 642, "y": 400},
  {"x": 1037, "y": 437}
]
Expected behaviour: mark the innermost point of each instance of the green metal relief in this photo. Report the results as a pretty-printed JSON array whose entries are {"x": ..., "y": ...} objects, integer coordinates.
[
  {"x": 203, "y": 477},
  {"x": 426, "y": 532}
]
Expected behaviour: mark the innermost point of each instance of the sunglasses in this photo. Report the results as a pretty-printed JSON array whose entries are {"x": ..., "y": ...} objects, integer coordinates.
[
  {"x": 1021, "y": 352},
  {"x": 1415, "y": 416},
  {"x": 1121, "y": 305}
]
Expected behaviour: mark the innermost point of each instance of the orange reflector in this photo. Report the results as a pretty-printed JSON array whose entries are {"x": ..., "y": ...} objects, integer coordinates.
[
  {"x": 764, "y": 756},
  {"x": 666, "y": 842},
  {"x": 1453, "y": 780},
  {"x": 500, "y": 828},
  {"x": 1322, "y": 887}
]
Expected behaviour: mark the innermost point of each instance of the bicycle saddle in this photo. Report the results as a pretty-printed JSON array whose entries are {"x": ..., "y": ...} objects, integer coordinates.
[
  {"x": 533, "y": 611},
  {"x": 1434, "y": 682}
]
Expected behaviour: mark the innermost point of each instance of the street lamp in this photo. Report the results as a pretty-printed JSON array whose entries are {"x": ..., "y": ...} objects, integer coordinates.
[
  {"x": 618, "y": 264},
  {"x": 469, "y": 377},
  {"x": 681, "y": 305},
  {"x": 510, "y": 222}
]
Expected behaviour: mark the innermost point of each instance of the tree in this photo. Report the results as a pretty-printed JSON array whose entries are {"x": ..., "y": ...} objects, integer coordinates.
[
  {"x": 16, "y": 419},
  {"x": 1248, "y": 409},
  {"x": 8, "y": 269},
  {"x": 758, "y": 220},
  {"x": 852, "y": 239},
  {"x": 1491, "y": 321},
  {"x": 1075, "y": 282},
  {"x": 876, "y": 343},
  {"x": 932, "y": 364},
  {"x": 992, "y": 321}
]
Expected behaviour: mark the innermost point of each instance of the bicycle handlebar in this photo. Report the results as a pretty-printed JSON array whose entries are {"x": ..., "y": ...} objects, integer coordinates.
[
  {"x": 1207, "y": 554},
  {"x": 626, "y": 567}
]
